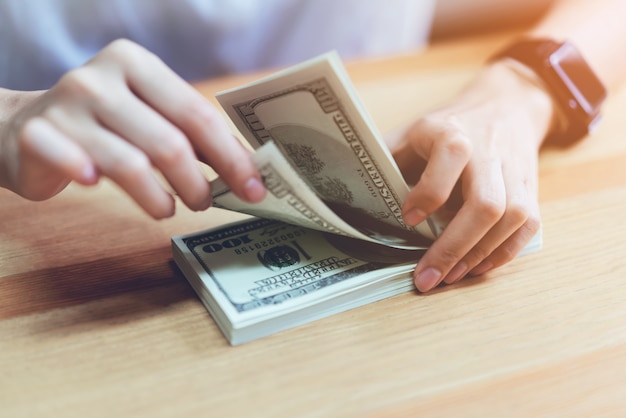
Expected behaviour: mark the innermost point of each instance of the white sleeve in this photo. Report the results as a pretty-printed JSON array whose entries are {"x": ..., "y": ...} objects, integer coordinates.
[{"x": 42, "y": 39}]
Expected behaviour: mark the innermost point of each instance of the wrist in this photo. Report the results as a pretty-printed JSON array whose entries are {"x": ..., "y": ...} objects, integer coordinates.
[
  {"x": 520, "y": 96},
  {"x": 539, "y": 100},
  {"x": 11, "y": 103}
]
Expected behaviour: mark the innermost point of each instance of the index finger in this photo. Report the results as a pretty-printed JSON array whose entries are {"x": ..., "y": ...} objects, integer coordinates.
[
  {"x": 181, "y": 104},
  {"x": 485, "y": 201},
  {"x": 447, "y": 151}
]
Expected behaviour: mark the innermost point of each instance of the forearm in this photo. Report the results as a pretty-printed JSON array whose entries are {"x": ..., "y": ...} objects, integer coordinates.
[{"x": 596, "y": 28}]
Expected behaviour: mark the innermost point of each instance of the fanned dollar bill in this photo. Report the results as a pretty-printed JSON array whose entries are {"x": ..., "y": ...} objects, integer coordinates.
[
  {"x": 329, "y": 236},
  {"x": 291, "y": 199},
  {"x": 315, "y": 121}
]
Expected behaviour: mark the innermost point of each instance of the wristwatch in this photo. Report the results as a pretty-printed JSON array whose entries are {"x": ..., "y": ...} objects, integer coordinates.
[{"x": 571, "y": 82}]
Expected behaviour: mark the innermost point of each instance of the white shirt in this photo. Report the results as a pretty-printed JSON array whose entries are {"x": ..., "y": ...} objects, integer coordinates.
[{"x": 42, "y": 39}]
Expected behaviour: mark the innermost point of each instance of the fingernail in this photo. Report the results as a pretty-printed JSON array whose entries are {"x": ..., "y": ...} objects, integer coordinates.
[
  {"x": 427, "y": 279},
  {"x": 89, "y": 174},
  {"x": 482, "y": 268},
  {"x": 414, "y": 217},
  {"x": 456, "y": 273},
  {"x": 254, "y": 190}
]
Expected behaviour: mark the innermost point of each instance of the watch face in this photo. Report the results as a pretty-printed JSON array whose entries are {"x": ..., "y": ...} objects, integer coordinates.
[{"x": 579, "y": 78}]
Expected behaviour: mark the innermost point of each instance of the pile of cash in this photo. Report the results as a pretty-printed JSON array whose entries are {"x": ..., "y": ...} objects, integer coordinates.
[
  {"x": 260, "y": 276},
  {"x": 329, "y": 236}
]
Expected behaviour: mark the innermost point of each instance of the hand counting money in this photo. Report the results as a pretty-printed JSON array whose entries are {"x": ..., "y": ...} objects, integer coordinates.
[{"x": 329, "y": 236}]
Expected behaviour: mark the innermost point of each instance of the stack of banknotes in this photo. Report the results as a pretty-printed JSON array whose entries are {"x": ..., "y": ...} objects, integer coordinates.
[{"x": 329, "y": 236}]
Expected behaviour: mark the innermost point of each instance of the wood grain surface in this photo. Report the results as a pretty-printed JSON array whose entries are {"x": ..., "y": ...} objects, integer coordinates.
[{"x": 95, "y": 319}]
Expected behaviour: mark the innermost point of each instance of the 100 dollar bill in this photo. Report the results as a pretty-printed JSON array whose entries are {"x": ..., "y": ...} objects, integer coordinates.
[
  {"x": 314, "y": 117},
  {"x": 259, "y": 276}
]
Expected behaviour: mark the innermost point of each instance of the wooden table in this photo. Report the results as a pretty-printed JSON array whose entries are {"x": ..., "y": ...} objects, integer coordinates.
[{"x": 95, "y": 319}]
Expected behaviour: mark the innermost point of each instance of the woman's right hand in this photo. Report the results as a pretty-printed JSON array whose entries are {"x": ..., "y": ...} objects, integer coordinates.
[{"x": 121, "y": 115}]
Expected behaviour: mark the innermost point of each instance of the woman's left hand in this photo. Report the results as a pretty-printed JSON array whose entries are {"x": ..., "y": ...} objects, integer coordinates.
[{"x": 478, "y": 157}]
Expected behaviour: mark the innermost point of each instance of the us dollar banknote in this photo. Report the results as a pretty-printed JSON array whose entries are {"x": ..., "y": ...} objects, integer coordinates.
[
  {"x": 259, "y": 276},
  {"x": 290, "y": 199},
  {"x": 313, "y": 116}
]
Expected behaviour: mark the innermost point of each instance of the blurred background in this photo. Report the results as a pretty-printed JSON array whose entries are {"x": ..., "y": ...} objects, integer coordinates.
[{"x": 462, "y": 17}]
